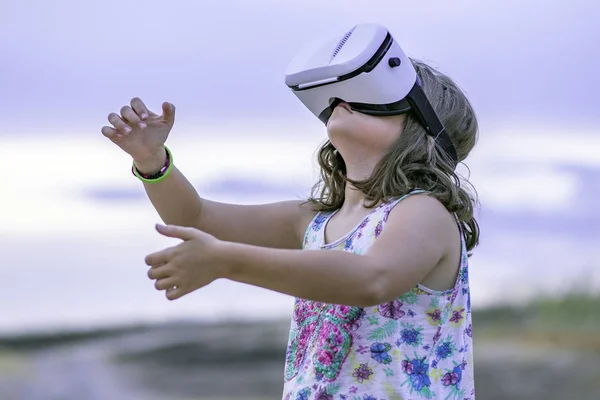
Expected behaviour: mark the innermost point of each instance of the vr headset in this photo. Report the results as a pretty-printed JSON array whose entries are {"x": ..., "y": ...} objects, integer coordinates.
[{"x": 367, "y": 69}]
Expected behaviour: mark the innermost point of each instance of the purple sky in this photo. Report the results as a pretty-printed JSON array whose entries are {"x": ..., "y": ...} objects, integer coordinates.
[{"x": 69, "y": 63}]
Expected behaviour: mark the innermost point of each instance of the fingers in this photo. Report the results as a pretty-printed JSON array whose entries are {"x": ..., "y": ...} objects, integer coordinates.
[
  {"x": 168, "y": 112},
  {"x": 175, "y": 293},
  {"x": 165, "y": 284},
  {"x": 160, "y": 258},
  {"x": 178, "y": 232},
  {"x": 119, "y": 124},
  {"x": 111, "y": 133},
  {"x": 134, "y": 116},
  {"x": 161, "y": 272},
  {"x": 131, "y": 117},
  {"x": 140, "y": 108}
]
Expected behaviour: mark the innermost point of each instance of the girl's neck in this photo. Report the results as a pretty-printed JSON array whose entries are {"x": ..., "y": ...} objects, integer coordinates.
[
  {"x": 359, "y": 166},
  {"x": 354, "y": 201}
]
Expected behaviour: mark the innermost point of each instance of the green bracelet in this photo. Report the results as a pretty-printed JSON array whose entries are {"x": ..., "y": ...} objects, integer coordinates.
[{"x": 158, "y": 176}]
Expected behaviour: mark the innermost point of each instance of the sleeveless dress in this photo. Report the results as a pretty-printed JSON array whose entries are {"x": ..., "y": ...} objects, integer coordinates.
[{"x": 418, "y": 346}]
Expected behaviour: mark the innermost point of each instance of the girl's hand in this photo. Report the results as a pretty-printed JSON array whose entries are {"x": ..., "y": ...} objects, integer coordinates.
[
  {"x": 140, "y": 132},
  {"x": 190, "y": 265}
]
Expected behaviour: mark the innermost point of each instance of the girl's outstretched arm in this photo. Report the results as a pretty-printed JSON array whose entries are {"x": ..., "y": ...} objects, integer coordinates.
[
  {"x": 410, "y": 247},
  {"x": 417, "y": 237}
]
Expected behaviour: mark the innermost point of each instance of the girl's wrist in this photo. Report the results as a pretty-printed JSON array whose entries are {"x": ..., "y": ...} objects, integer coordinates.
[
  {"x": 231, "y": 255},
  {"x": 151, "y": 164}
]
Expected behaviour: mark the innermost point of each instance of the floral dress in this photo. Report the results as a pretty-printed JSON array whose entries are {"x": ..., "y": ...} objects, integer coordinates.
[{"x": 418, "y": 346}]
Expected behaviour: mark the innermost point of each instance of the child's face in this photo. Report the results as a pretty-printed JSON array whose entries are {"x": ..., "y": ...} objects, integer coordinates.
[{"x": 346, "y": 127}]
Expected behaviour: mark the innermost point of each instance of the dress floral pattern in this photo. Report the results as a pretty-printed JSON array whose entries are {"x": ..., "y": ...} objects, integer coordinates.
[{"x": 418, "y": 346}]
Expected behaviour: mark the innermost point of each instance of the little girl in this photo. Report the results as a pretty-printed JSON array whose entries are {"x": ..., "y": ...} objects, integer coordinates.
[{"x": 376, "y": 258}]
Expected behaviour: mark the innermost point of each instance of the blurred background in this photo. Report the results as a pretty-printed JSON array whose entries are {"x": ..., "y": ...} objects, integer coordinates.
[{"x": 80, "y": 320}]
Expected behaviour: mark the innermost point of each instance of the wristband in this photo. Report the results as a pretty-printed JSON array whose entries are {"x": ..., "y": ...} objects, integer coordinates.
[{"x": 158, "y": 176}]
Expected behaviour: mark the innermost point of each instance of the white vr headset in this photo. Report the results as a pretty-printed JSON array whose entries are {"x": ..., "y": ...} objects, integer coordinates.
[{"x": 366, "y": 68}]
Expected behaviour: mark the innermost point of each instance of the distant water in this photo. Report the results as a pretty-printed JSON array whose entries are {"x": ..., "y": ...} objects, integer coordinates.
[{"x": 76, "y": 224}]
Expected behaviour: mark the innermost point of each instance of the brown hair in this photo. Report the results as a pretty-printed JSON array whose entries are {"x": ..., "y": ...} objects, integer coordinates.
[{"x": 415, "y": 161}]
